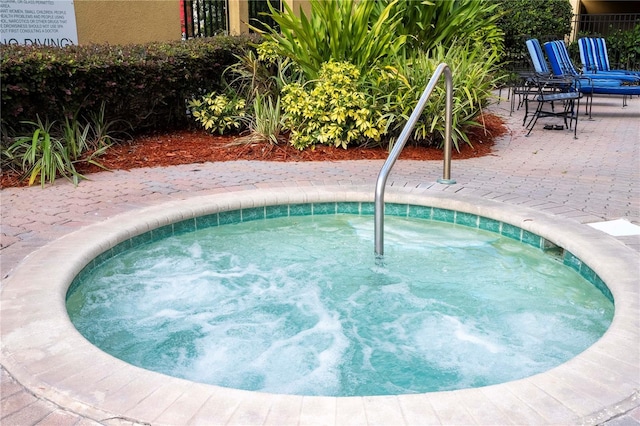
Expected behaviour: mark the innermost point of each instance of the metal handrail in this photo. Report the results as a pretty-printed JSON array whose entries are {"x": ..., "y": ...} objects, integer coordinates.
[{"x": 402, "y": 140}]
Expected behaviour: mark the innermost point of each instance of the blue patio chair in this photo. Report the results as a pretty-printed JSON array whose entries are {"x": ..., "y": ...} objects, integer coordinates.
[
  {"x": 544, "y": 88},
  {"x": 594, "y": 57},
  {"x": 561, "y": 65},
  {"x": 589, "y": 84}
]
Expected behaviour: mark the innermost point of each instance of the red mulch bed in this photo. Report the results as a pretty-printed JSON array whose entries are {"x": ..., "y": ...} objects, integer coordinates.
[{"x": 187, "y": 147}]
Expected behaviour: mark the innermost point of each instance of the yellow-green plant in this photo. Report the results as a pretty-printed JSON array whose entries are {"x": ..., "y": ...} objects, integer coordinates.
[
  {"x": 332, "y": 110},
  {"x": 218, "y": 113}
]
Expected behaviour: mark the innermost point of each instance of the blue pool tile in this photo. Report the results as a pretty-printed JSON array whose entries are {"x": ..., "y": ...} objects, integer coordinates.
[
  {"x": 467, "y": 219},
  {"x": 254, "y": 213},
  {"x": 393, "y": 209},
  {"x": 207, "y": 221},
  {"x": 570, "y": 260},
  {"x": 420, "y": 212},
  {"x": 444, "y": 215},
  {"x": 144, "y": 238},
  {"x": 181, "y": 227},
  {"x": 78, "y": 280},
  {"x": 600, "y": 285},
  {"x": 102, "y": 257},
  {"x": 120, "y": 247},
  {"x": 489, "y": 224},
  {"x": 299, "y": 209},
  {"x": 531, "y": 239},
  {"x": 587, "y": 273},
  {"x": 324, "y": 208},
  {"x": 225, "y": 218},
  {"x": 162, "y": 232},
  {"x": 348, "y": 207},
  {"x": 511, "y": 231},
  {"x": 367, "y": 208},
  {"x": 276, "y": 211}
]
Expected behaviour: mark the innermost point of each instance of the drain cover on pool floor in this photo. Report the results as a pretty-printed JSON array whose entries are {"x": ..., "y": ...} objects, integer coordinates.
[{"x": 617, "y": 228}]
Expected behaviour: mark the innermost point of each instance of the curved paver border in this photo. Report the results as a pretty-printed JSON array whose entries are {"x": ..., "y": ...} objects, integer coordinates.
[{"x": 45, "y": 353}]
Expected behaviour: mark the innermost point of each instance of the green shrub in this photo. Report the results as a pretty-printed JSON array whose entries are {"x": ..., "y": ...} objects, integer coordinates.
[
  {"x": 218, "y": 113},
  {"x": 524, "y": 19},
  {"x": 147, "y": 85},
  {"x": 623, "y": 48},
  {"x": 331, "y": 110}
]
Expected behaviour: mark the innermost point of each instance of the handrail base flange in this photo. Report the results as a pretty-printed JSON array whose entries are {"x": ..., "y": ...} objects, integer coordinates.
[{"x": 447, "y": 181}]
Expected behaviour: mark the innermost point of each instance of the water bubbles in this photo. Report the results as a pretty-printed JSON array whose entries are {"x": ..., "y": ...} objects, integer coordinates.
[{"x": 303, "y": 307}]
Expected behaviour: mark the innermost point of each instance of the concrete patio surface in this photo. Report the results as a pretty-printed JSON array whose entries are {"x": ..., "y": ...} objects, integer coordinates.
[{"x": 592, "y": 179}]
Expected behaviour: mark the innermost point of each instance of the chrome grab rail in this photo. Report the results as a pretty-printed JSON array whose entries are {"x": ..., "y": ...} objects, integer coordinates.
[{"x": 402, "y": 140}]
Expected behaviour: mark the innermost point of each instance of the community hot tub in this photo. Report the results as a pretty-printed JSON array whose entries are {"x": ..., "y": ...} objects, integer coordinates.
[{"x": 45, "y": 352}]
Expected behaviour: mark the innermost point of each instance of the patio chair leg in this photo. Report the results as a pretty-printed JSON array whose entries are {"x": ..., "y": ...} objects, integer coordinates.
[
  {"x": 588, "y": 104},
  {"x": 575, "y": 113},
  {"x": 534, "y": 119}
]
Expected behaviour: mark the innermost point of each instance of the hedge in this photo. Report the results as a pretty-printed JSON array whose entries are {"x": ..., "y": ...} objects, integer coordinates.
[{"x": 145, "y": 85}]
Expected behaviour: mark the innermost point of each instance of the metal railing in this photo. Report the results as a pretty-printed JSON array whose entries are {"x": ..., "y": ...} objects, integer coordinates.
[
  {"x": 603, "y": 24},
  {"x": 402, "y": 140},
  {"x": 257, "y": 11},
  {"x": 203, "y": 18},
  {"x": 621, "y": 50}
]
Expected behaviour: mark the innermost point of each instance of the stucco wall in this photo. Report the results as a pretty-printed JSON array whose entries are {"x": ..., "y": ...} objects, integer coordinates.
[{"x": 127, "y": 21}]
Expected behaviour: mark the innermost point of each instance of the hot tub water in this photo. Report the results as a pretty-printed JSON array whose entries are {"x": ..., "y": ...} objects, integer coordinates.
[{"x": 297, "y": 305}]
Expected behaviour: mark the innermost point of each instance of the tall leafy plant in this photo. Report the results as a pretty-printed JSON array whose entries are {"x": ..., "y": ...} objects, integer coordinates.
[
  {"x": 398, "y": 89},
  {"x": 359, "y": 32},
  {"x": 52, "y": 150},
  {"x": 427, "y": 24}
]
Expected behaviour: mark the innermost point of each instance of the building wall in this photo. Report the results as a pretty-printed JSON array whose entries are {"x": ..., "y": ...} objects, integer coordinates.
[
  {"x": 127, "y": 21},
  {"x": 141, "y": 21},
  {"x": 609, "y": 6},
  {"x": 239, "y": 13}
]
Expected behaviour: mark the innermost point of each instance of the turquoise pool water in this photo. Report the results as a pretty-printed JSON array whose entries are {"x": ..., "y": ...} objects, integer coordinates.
[{"x": 298, "y": 305}]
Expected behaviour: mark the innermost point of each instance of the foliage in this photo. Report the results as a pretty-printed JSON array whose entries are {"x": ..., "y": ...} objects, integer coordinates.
[
  {"x": 88, "y": 141},
  {"x": 524, "y": 19},
  {"x": 50, "y": 151},
  {"x": 331, "y": 110},
  {"x": 623, "y": 48},
  {"x": 398, "y": 91},
  {"x": 267, "y": 123},
  {"x": 218, "y": 113},
  {"x": 265, "y": 73},
  {"x": 347, "y": 30},
  {"x": 42, "y": 155},
  {"x": 429, "y": 23},
  {"x": 144, "y": 84}
]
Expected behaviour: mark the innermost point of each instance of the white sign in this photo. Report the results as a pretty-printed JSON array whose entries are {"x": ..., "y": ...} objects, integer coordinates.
[{"x": 38, "y": 22}]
